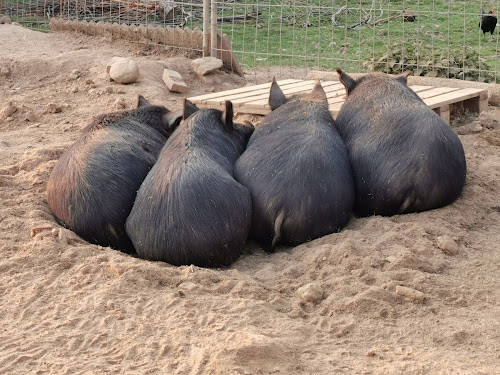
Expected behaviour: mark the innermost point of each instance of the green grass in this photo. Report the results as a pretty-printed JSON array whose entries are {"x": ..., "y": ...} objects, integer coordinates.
[{"x": 445, "y": 39}]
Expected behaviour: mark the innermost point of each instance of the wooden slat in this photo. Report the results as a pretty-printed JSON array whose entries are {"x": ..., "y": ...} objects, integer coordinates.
[
  {"x": 420, "y": 88},
  {"x": 436, "y": 92},
  {"x": 332, "y": 89},
  {"x": 250, "y": 96},
  {"x": 202, "y": 98},
  {"x": 254, "y": 99},
  {"x": 453, "y": 97},
  {"x": 262, "y": 99}
]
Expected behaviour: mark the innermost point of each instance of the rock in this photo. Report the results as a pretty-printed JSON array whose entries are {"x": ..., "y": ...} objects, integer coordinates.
[
  {"x": 489, "y": 121},
  {"x": 4, "y": 71},
  {"x": 205, "y": 65},
  {"x": 112, "y": 61},
  {"x": 8, "y": 110},
  {"x": 75, "y": 74},
  {"x": 310, "y": 293},
  {"x": 90, "y": 84},
  {"x": 447, "y": 244},
  {"x": 410, "y": 293},
  {"x": 472, "y": 128},
  {"x": 124, "y": 70},
  {"x": 187, "y": 285},
  {"x": 120, "y": 103},
  {"x": 5, "y": 19},
  {"x": 174, "y": 81},
  {"x": 31, "y": 116},
  {"x": 53, "y": 108}
]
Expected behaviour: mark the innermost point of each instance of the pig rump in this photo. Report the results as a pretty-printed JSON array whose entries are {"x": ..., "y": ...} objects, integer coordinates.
[
  {"x": 404, "y": 157},
  {"x": 190, "y": 210},
  {"x": 92, "y": 187},
  {"x": 297, "y": 170}
]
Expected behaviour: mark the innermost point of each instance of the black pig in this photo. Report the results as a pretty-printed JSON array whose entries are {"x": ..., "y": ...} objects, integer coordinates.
[
  {"x": 297, "y": 170},
  {"x": 190, "y": 209},
  {"x": 404, "y": 157},
  {"x": 92, "y": 187}
]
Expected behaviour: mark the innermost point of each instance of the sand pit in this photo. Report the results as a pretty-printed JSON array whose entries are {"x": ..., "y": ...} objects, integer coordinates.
[{"x": 396, "y": 299}]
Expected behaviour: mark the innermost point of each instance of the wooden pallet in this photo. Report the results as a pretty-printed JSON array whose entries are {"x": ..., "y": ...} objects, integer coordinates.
[{"x": 253, "y": 99}]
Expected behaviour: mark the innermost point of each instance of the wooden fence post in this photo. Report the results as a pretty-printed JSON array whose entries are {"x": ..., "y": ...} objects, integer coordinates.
[
  {"x": 206, "y": 28},
  {"x": 213, "y": 29}
]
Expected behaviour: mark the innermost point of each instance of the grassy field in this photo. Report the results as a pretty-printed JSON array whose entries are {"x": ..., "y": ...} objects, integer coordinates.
[{"x": 444, "y": 40}]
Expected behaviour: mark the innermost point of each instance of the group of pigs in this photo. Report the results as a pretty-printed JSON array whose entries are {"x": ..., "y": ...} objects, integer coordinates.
[{"x": 190, "y": 187}]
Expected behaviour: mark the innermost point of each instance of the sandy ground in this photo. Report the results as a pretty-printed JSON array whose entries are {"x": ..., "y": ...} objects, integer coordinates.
[{"x": 69, "y": 307}]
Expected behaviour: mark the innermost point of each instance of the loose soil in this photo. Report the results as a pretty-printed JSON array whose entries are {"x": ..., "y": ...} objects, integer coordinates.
[{"x": 70, "y": 307}]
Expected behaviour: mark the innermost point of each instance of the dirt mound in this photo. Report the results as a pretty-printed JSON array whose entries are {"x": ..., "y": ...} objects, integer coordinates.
[{"x": 393, "y": 301}]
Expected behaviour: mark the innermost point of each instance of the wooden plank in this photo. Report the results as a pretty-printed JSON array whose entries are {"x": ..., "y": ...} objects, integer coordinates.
[
  {"x": 262, "y": 99},
  {"x": 453, "y": 97},
  {"x": 201, "y": 98},
  {"x": 249, "y": 96},
  {"x": 254, "y": 99},
  {"x": 253, "y": 111},
  {"x": 444, "y": 112},
  {"x": 417, "y": 88},
  {"x": 332, "y": 89},
  {"x": 436, "y": 91}
]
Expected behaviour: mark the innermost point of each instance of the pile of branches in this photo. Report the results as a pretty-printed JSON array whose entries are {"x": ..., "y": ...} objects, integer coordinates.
[{"x": 369, "y": 17}]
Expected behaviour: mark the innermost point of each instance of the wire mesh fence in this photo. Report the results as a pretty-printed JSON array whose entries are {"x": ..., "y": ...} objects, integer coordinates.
[{"x": 429, "y": 37}]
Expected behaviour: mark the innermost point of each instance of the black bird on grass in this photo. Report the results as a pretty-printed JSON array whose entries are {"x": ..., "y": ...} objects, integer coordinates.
[{"x": 488, "y": 22}]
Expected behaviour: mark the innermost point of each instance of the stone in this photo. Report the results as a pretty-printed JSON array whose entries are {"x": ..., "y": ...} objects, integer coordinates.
[
  {"x": 5, "y": 19},
  {"x": 31, "y": 116},
  {"x": 187, "y": 285},
  {"x": 472, "y": 128},
  {"x": 4, "y": 71},
  {"x": 310, "y": 293},
  {"x": 124, "y": 71},
  {"x": 112, "y": 61},
  {"x": 489, "y": 121},
  {"x": 447, "y": 245},
  {"x": 205, "y": 65},
  {"x": 53, "y": 108},
  {"x": 120, "y": 103},
  {"x": 174, "y": 81},
  {"x": 75, "y": 74},
  {"x": 413, "y": 294},
  {"x": 8, "y": 110}
]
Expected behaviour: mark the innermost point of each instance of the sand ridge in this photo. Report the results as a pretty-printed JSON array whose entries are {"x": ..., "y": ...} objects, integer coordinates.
[{"x": 70, "y": 307}]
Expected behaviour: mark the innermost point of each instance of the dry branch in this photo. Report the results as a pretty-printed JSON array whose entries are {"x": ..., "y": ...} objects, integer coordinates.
[{"x": 239, "y": 17}]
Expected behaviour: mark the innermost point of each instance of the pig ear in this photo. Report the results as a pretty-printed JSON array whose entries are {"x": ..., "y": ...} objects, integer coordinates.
[
  {"x": 403, "y": 77},
  {"x": 318, "y": 92},
  {"x": 347, "y": 81},
  {"x": 227, "y": 116},
  {"x": 276, "y": 96},
  {"x": 142, "y": 102},
  {"x": 189, "y": 109},
  {"x": 173, "y": 119}
]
